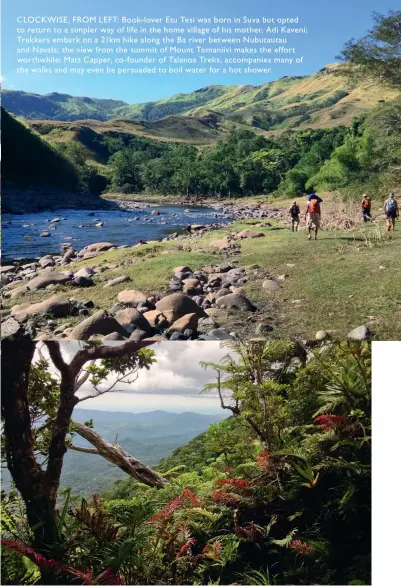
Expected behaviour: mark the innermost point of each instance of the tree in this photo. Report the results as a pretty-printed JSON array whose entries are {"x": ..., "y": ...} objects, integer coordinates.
[
  {"x": 34, "y": 449},
  {"x": 377, "y": 55}
]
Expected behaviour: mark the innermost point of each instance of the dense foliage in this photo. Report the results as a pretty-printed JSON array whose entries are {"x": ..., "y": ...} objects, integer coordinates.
[
  {"x": 248, "y": 164},
  {"x": 279, "y": 493},
  {"x": 377, "y": 55},
  {"x": 30, "y": 161}
]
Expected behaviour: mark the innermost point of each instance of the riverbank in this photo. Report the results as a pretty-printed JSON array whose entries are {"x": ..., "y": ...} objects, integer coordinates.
[{"x": 265, "y": 282}]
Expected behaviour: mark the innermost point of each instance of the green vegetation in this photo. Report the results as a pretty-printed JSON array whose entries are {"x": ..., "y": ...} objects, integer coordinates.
[
  {"x": 279, "y": 493},
  {"x": 377, "y": 55},
  {"x": 57, "y": 106},
  {"x": 30, "y": 161}
]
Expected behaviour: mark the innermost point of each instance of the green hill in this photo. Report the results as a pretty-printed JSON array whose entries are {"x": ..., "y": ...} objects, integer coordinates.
[
  {"x": 322, "y": 100},
  {"x": 57, "y": 106},
  {"x": 30, "y": 161}
]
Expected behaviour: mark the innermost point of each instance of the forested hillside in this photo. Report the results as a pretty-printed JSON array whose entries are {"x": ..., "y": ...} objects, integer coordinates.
[
  {"x": 278, "y": 493},
  {"x": 30, "y": 161},
  {"x": 366, "y": 155}
]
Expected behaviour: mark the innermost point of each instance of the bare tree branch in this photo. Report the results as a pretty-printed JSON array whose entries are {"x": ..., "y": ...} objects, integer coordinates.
[
  {"x": 82, "y": 449},
  {"x": 118, "y": 457},
  {"x": 84, "y": 377},
  {"x": 98, "y": 392}
]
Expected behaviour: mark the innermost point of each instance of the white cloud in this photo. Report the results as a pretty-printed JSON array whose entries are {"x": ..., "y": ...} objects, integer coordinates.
[{"x": 173, "y": 383}]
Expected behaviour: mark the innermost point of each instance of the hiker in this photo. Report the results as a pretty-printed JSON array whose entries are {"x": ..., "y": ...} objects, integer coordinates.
[
  {"x": 294, "y": 212},
  {"x": 391, "y": 210},
  {"x": 313, "y": 195},
  {"x": 366, "y": 207},
  {"x": 312, "y": 215}
]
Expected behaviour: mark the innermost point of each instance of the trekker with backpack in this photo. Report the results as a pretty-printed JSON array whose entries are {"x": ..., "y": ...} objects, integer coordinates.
[
  {"x": 313, "y": 215},
  {"x": 366, "y": 207},
  {"x": 391, "y": 210},
  {"x": 294, "y": 212}
]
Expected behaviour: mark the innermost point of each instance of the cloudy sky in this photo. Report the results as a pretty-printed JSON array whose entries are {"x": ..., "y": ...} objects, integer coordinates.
[{"x": 173, "y": 383}]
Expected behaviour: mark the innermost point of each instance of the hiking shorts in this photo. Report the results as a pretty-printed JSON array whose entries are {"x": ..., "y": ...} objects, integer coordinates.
[
  {"x": 295, "y": 219},
  {"x": 391, "y": 214},
  {"x": 313, "y": 220}
]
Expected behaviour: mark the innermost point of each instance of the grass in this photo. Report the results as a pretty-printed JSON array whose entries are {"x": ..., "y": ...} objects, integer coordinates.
[{"x": 345, "y": 279}]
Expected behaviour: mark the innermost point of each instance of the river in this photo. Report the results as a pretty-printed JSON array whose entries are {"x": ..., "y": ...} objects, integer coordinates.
[{"x": 22, "y": 239}]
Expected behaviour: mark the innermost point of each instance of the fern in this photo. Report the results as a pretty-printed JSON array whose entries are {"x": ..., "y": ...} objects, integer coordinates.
[{"x": 286, "y": 541}]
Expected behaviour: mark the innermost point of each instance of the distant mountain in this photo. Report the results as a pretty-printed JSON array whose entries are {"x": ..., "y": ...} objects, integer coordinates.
[
  {"x": 58, "y": 106},
  {"x": 149, "y": 436},
  {"x": 322, "y": 100}
]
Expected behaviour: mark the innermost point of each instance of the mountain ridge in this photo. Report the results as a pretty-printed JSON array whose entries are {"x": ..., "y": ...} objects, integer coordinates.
[{"x": 323, "y": 99}]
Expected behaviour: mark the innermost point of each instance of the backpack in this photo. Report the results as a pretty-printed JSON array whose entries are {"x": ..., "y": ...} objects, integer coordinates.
[
  {"x": 366, "y": 203},
  {"x": 314, "y": 206},
  {"x": 295, "y": 210},
  {"x": 390, "y": 205}
]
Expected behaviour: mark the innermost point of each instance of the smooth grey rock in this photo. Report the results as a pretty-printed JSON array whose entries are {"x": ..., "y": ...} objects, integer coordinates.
[{"x": 360, "y": 333}]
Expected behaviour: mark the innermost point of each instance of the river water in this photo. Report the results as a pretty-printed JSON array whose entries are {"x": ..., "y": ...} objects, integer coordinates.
[{"x": 22, "y": 240}]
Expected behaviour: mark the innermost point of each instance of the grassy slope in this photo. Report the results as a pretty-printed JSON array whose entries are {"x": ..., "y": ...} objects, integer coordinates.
[
  {"x": 286, "y": 95},
  {"x": 338, "y": 278},
  {"x": 321, "y": 100}
]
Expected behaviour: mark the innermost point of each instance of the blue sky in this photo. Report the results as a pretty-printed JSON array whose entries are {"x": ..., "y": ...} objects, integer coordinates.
[{"x": 330, "y": 24}]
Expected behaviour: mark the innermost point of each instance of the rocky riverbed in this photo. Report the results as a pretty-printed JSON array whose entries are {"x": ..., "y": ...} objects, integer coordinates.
[{"x": 203, "y": 303}]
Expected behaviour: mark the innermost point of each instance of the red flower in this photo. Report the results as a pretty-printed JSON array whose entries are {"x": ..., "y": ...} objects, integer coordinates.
[
  {"x": 186, "y": 546},
  {"x": 106, "y": 577},
  {"x": 225, "y": 498},
  {"x": 302, "y": 547},
  {"x": 328, "y": 422},
  {"x": 175, "y": 505},
  {"x": 263, "y": 460},
  {"x": 239, "y": 483}
]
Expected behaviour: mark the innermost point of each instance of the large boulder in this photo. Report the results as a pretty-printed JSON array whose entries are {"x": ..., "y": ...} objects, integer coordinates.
[
  {"x": 182, "y": 269},
  {"x": 56, "y": 305},
  {"x": 158, "y": 319},
  {"x": 43, "y": 280},
  {"x": 84, "y": 272},
  {"x": 134, "y": 317},
  {"x": 234, "y": 301},
  {"x": 187, "y": 322},
  {"x": 131, "y": 297},
  {"x": 248, "y": 234},
  {"x": 98, "y": 247},
  {"x": 179, "y": 304},
  {"x": 98, "y": 323}
]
